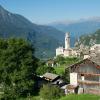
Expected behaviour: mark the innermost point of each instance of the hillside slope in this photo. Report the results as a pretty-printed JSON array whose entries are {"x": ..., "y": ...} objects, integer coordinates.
[
  {"x": 44, "y": 38},
  {"x": 90, "y": 39}
]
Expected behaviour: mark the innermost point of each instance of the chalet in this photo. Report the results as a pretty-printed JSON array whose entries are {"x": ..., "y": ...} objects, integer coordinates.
[
  {"x": 47, "y": 78},
  {"x": 86, "y": 75},
  {"x": 51, "y": 77}
]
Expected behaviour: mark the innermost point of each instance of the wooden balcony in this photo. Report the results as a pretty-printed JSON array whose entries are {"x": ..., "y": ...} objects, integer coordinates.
[
  {"x": 88, "y": 74},
  {"x": 89, "y": 82}
]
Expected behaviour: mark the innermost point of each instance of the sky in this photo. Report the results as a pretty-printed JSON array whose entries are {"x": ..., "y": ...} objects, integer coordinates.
[{"x": 48, "y": 11}]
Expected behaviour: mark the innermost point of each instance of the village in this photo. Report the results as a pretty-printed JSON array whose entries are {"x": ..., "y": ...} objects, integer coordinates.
[
  {"x": 49, "y": 50},
  {"x": 84, "y": 75},
  {"x": 72, "y": 72}
]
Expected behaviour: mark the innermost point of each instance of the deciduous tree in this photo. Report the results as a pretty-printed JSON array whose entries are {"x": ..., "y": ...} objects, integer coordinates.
[{"x": 17, "y": 66}]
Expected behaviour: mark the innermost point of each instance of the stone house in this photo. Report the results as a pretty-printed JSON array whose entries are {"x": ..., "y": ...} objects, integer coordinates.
[{"x": 86, "y": 75}]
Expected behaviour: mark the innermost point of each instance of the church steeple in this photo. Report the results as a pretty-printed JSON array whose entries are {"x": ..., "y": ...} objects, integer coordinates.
[{"x": 67, "y": 40}]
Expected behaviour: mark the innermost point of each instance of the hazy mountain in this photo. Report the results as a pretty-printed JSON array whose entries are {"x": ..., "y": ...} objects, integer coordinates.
[
  {"x": 78, "y": 27},
  {"x": 44, "y": 38}
]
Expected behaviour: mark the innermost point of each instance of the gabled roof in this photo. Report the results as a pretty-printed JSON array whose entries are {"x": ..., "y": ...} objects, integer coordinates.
[
  {"x": 94, "y": 60},
  {"x": 50, "y": 76}
]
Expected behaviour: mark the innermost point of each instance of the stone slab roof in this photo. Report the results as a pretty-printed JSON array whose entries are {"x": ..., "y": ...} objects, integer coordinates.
[
  {"x": 94, "y": 59},
  {"x": 50, "y": 76}
]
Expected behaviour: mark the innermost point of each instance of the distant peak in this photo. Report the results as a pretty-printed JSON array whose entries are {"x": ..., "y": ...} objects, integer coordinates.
[
  {"x": 1, "y": 7},
  {"x": 3, "y": 10}
]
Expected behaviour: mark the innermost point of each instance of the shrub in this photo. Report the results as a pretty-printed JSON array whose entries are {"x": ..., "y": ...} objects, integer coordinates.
[{"x": 51, "y": 92}]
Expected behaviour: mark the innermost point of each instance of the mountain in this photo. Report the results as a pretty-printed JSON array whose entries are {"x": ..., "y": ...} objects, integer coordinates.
[
  {"x": 44, "y": 38},
  {"x": 90, "y": 39},
  {"x": 78, "y": 27}
]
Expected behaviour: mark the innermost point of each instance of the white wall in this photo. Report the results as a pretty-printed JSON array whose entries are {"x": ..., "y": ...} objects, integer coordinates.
[
  {"x": 59, "y": 51},
  {"x": 73, "y": 79}
]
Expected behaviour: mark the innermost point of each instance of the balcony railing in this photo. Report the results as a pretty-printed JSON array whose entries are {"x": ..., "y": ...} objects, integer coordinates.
[{"x": 89, "y": 82}]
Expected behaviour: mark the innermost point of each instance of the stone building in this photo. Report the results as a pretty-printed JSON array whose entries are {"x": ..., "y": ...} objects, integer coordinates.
[
  {"x": 86, "y": 75},
  {"x": 67, "y": 51},
  {"x": 92, "y": 52},
  {"x": 95, "y": 47}
]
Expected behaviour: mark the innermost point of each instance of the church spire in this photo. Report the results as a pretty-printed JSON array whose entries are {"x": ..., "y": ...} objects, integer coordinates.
[{"x": 67, "y": 40}]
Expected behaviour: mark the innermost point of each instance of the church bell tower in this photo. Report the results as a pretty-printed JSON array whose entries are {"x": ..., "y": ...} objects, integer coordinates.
[{"x": 67, "y": 40}]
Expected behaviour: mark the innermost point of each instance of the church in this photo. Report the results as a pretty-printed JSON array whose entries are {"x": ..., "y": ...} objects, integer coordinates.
[{"x": 67, "y": 51}]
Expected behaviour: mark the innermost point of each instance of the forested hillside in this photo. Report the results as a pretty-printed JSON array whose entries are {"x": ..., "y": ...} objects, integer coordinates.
[{"x": 44, "y": 38}]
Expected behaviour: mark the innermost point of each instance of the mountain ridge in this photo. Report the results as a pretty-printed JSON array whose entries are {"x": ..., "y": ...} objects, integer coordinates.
[
  {"x": 80, "y": 27},
  {"x": 17, "y": 26}
]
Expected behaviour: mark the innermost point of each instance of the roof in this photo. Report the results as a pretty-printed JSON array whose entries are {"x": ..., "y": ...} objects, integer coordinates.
[
  {"x": 50, "y": 76},
  {"x": 50, "y": 61},
  {"x": 76, "y": 63},
  {"x": 95, "y": 60}
]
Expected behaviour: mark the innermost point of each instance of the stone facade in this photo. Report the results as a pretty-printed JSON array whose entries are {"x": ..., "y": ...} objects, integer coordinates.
[
  {"x": 67, "y": 51},
  {"x": 86, "y": 75}
]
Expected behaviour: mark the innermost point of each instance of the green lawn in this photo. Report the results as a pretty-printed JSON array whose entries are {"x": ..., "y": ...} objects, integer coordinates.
[
  {"x": 30, "y": 98},
  {"x": 60, "y": 69},
  {"x": 69, "y": 97},
  {"x": 81, "y": 97}
]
